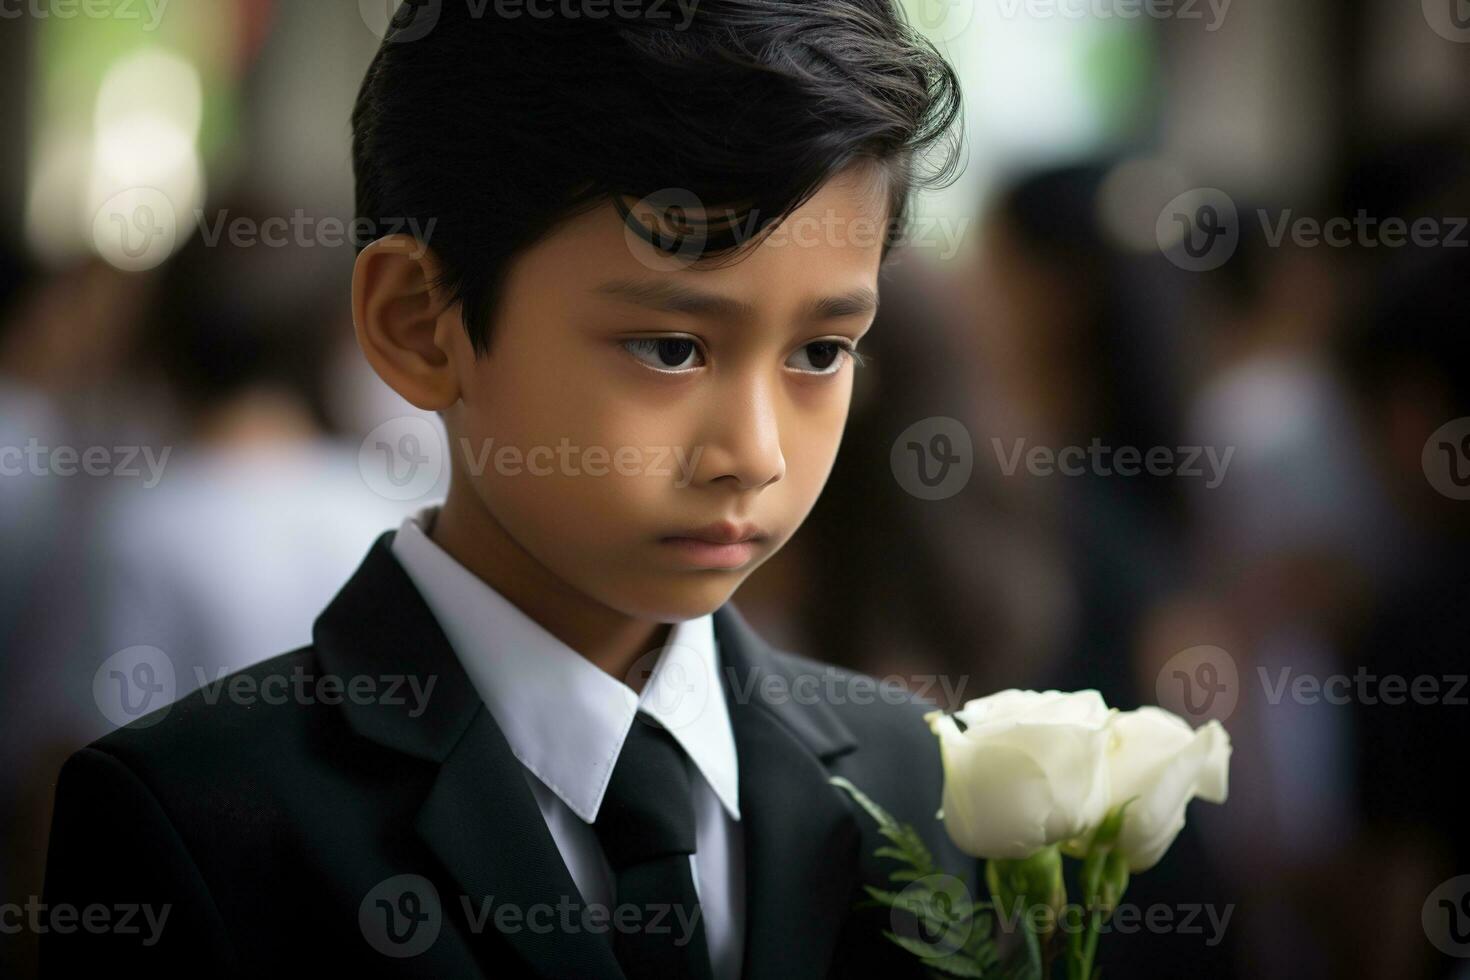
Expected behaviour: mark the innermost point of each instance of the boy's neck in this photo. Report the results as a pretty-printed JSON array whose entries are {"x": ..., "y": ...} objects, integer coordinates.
[{"x": 610, "y": 640}]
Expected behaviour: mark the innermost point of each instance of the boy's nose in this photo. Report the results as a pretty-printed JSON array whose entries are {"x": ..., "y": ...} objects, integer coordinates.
[{"x": 743, "y": 439}]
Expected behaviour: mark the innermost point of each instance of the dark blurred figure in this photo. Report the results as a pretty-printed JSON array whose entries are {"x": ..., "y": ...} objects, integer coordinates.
[
  {"x": 243, "y": 515},
  {"x": 15, "y": 275},
  {"x": 1054, "y": 335},
  {"x": 1080, "y": 340},
  {"x": 1019, "y": 579},
  {"x": 1279, "y": 563},
  {"x": 62, "y": 334},
  {"x": 957, "y": 594},
  {"x": 1090, "y": 342},
  {"x": 1408, "y": 355},
  {"x": 262, "y": 512}
]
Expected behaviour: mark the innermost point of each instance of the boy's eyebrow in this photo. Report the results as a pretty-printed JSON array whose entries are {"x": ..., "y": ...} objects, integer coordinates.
[{"x": 673, "y": 297}]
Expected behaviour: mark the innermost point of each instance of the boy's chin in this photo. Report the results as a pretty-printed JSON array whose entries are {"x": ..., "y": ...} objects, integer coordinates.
[{"x": 696, "y": 594}]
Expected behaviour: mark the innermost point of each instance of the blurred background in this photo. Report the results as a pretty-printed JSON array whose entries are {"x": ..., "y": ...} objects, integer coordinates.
[{"x": 1168, "y": 397}]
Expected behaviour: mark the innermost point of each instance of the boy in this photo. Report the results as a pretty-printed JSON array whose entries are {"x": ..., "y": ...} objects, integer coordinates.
[{"x": 550, "y": 746}]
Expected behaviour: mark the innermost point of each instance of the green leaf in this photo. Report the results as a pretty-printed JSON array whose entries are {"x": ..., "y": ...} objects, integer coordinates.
[
  {"x": 953, "y": 964},
  {"x": 1114, "y": 882},
  {"x": 937, "y": 909},
  {"x": 877, "y": 812},
  {"x": 908, "y": 847}
]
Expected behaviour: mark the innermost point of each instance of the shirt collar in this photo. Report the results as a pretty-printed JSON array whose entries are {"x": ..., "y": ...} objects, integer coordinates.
[{"x": 564, "y": 718}]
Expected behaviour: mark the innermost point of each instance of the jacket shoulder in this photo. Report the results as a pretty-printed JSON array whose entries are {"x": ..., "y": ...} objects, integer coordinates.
[
  {"x": 247, "y": 728},
  {"x": 877, "y": 711}
]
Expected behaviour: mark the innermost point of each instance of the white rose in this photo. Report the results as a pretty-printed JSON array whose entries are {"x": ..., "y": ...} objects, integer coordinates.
[
  {"x": 1156, "y": 757},
  {"x": 1028, "y": 771}
]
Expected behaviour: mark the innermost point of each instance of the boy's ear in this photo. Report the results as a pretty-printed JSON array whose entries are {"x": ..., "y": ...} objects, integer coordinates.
[{"x": 403, "y": 326}]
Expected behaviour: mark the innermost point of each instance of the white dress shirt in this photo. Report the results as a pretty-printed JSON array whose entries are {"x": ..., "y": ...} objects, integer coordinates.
[{"x": 565, "y": 720}]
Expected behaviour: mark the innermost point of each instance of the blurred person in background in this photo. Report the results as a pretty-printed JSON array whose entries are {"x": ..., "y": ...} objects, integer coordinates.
[
  {"x": 1087, "y": 344},
  {"x": 1275, "y": 568},
  {"x": 961, "y": 595},
  {"x": 1055, "y": 336},
  {"x": 240, "y": 344},
  {"x": 216, "y": 387},
  {"x": 22, "y": 411},
  {"x": 1407, "y": 354},
  {"x": 1074, "y": 333},
  {"x": 63, "y": 334},
  {"x": 1289, "y": 557},
  {"x": 1016, "y": 580}
]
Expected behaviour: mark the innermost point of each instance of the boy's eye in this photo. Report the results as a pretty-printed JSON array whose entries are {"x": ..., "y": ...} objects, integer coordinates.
[
  {"x": 674, "y": 355},
  {"x": 670, "y": 354},
  {"x": 822, "y": 356}
]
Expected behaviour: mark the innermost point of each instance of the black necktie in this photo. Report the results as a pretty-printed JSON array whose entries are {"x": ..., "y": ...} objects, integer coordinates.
[{"x": 646, "y": 826}]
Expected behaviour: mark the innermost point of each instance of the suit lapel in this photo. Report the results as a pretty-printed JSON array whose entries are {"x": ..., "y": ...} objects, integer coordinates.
[
  {"x": 482, "y": 823},
  {"x": 480, "y": 819},
  {"x": 801, "y": 836}
]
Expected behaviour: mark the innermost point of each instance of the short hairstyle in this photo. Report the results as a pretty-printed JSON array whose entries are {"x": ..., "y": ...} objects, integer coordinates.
[{"x": 499, "y": 124}]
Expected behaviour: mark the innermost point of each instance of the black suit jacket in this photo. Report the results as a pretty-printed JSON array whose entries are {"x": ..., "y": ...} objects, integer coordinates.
[{"x": 300, "y": 836}]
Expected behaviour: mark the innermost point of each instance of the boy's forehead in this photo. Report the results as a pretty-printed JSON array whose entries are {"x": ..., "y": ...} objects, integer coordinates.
[
  {"x": 824, "y": 254},
  {"x": 672, "y": 295}
]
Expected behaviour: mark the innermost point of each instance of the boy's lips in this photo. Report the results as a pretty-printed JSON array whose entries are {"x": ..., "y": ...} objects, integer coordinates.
[
  {"x": 705, "y": 554},
  {"x": 721, "y": 532},
  {"x": 723, "y": 544}
]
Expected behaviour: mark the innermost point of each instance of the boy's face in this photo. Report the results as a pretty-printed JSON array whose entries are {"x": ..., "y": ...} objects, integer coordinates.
[{"x": 647, "y": 403}]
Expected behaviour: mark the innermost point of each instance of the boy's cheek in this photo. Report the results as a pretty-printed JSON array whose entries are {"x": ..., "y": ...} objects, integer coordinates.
[{"x": 579, "y": 507}]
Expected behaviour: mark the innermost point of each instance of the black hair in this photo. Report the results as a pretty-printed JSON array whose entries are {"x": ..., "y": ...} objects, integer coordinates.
[{"x": 484, "y": 133}]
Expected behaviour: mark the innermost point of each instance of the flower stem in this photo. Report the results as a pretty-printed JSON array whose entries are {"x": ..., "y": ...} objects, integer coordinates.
[
  {"x": 1074, "y": 950},
  {"x": 1089, "y": 950}
]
